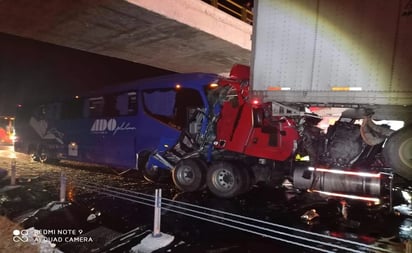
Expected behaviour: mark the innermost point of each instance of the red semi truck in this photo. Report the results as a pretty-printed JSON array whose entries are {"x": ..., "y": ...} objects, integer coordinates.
[
  {"x": 349, "y": 57},
  {"x": 246, "y": 143}
]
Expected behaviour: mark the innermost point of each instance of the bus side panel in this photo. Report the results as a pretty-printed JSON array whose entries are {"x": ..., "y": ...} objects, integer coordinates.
[{"x": 115, "y": 125}]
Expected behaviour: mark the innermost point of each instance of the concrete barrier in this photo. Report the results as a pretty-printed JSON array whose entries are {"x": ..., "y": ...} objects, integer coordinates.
[{"x": 156, "y": 240}]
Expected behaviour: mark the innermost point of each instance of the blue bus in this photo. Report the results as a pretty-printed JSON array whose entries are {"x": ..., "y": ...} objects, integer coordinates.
[{"x": 118, "y": 125}]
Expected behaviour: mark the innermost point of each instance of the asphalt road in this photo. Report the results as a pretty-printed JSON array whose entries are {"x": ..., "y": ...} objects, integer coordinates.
[{"x": 94, "y": 207}]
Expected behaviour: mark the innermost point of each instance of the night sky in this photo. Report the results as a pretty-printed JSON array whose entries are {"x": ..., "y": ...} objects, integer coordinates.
[{"x": 35, "y": 71}]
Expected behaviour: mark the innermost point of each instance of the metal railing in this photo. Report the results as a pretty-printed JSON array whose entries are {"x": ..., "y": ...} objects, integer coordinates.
[
  {"x": 285, "y": 234},
  {"x": 278, "y": 232},
  {"x": 241, "y": 12}
]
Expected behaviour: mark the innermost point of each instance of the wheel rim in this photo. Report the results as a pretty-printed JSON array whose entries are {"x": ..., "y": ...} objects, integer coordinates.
[
  {"x": 223, "y": 180},
  {"x": 185, "y": 175},
  {"x": 33, "y": 157},
  {"x": 405, "y": 152},
  {"x": 43, "y": 158}
]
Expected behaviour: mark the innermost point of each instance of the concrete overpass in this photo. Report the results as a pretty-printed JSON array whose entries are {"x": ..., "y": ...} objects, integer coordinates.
[{"x": 182, "y": 36}]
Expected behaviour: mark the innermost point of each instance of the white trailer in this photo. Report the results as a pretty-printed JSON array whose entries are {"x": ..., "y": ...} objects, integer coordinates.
[{"x": 334, "y": 53}]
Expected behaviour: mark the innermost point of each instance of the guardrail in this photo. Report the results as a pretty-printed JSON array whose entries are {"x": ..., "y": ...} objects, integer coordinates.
[
  {"x": 290, "y": 235},
  {"x": 278, "y": 232},
  {"x": 241, "y": 12}
]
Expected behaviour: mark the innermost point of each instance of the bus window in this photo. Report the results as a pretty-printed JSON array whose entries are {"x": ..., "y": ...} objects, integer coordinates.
[
  {"x": 41, "y": 113},
  {"x": 186, "y": 99},
  {"x": 132, "y": 103},
  {"x": 72, "y": 109},
  {"x": 110, "y": 106},
  {"x": 160, "y": 103},
  {"x": 96, "y": 107},
  {"x": 121, "y": 105},
  {"x": 171, "y": 106},
  {"x": 124, "y": 104},
  {"x": 53, "y": 111}
]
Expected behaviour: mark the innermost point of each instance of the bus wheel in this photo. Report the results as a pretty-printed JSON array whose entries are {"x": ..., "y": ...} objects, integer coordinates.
[
  {"x": 398, "y": 152},
  {"x": 32, "y": 153},
  {"x": 150, "y": 173},
  {"x": 225, "y": 180},
  {"x": 33, "y": 157},
  {"x": 43, "y": 157},
  {"x": 189, "y": 175}
]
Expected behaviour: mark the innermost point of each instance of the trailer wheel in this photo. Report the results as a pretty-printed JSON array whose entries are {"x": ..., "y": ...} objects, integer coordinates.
[
  {"x": 225, "y": 180},
  {"x": 189, "y": 175},
  {"x": 398, "y": 152}
]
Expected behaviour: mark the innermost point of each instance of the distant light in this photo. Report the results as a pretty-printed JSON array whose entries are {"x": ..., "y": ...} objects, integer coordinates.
[
  {"x": 339, "y": 88},
  {"x": 277, "y": 88},
  {"x": 76, "y": 97},
  {"x": 213, "y": 85},
  {"x": 178, "y": 86},
  {"x": 19, "y": 105},
  {"x": 255, "y": 101}
]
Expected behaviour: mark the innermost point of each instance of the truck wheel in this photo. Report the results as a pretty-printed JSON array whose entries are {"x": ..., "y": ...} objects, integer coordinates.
[
  {"x": 398, "y": 152},
  {"x": 189, "y": 175},
  {"x": 225, "y": 180},
  {"x": 246, "y": 179}
]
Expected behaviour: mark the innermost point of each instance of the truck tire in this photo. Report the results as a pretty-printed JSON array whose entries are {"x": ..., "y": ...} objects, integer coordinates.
[
  {"x": 398, "y": 152},
  {"x": 189, "y": 175},
  {"x": 246, "y": 176},
  {"x": 225, "y": 180}
]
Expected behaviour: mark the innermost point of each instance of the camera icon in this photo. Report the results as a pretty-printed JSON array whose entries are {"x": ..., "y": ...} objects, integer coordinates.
[{"x": 20, "y": 235}]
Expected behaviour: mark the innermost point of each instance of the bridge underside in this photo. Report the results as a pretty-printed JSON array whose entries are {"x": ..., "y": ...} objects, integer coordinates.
[{"x": 125, "y": 30}]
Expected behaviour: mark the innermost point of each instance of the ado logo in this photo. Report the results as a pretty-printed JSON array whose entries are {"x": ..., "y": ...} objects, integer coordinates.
[{"x": 103, "y": 126}]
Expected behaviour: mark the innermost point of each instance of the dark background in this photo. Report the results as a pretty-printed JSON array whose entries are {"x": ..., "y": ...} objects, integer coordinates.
[{"x": 32, "y": 71}]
